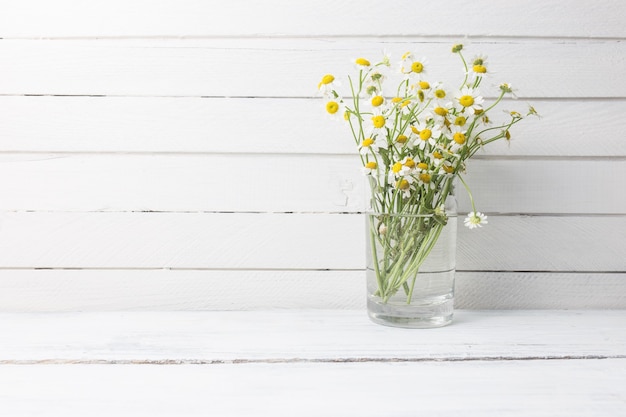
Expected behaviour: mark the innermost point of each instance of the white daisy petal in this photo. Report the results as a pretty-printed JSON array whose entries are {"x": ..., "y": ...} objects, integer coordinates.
[{"x": 475, "y": 219}]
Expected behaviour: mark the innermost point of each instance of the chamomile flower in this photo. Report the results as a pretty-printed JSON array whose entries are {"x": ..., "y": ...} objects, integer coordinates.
[
  {"x": 373, "y": 83},
  {"x": 370, "y": 167},
  {"x": 408, "y": 165},
  {"x": 371, "y": 145},
  {"x": 436, "y": 157},
  {"x": 440, "y": 113},
  {"x": 446, "y": 168},
  {"x": 397, "y": 170},
  {"x": 427, "y": 136},
  {"x": 412, "y": 67},
  {"x": 328, "y": 85},
  {"x": 401, "y": 140},
  {"x": 508, "y": 89},
  {"x": 335, "y": 109},
  {"x": 404, "y": 185},
  {"x": 475, "y": 219},
  {"x": 377, "y": 101},
  {"x": 459, "y": 138},
  {"x": 378, "y": 123},
  {"x": 478, "y": 67},
  {"x": 426, "y": 180},
  {"x": 469, "y": 100},
  {"x": 362, "y": 63},
  {"x": 441, "y": 211},
  {"x": 421, "y": 167},
  {"x": 440, "y": 94}
]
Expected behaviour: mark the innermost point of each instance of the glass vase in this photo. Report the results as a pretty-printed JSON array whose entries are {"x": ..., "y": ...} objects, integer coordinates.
[{"x": 410, "y": 268}]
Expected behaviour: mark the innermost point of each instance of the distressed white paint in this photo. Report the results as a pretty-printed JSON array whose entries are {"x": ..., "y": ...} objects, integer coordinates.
[
  {"x": 285, "y": 183},
  {"x": 55, "y": 290},
  {"x": 197, "y": 18},
  {"x": 209, "y": 107},
  {"x": 572, "y": 388},
  {"x": 205, "y": 125},
  {"x": 305, "y": 335},
  {"x": 561, "y": 363},
  {"x": 293, "y": 241},
  {"x": 293, "y": 67}
]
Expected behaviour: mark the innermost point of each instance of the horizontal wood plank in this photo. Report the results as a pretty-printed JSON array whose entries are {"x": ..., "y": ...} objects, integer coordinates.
[
  {"x": 288, "y": 182},
  {"x": 568, "y": 388},
  {"x": 293, "y": 67},
  {"x": 293, "y": 241},
  {"x": 264, "y": 336},
  {"x": 248, "y": 125},
  {"x": 196, "y": 18},
  {"x": 65, "y": 290}
]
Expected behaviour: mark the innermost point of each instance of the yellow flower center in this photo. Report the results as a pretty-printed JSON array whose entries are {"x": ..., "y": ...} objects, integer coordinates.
[
  {"x": 409, "y": 163},
  {"x": 377, "y": 101},
  {"x": 422, "y": 165},
  {"x": 367, "y": 142},
  {"x": 425, "y": 134},
  {"x": 414, "y": 130},
  {"x": 396, "y": 100},
  {"x": 401, "y": 139},
  {"x": 480, "y": 69},
  {"x": 405, "y": 103},
  {"x": 403, "y": 184},
  {"x": 448, "y": 169},
  {"x": 371, "y": 165},
  {"x": 460, "y": 121},
  {"x": 397, "y": 167},
  {"x": 440, "y": 93},
  {"x": 363, "y": 62},
  {"x": 332, "y": 107},
  {"x": 417, "y": 67},
  {"x": 406, "y": 55},
  {"x": 424, "y": 85},
  {"x": 459, "y": 138},
  {"x": 425, "y": 177},
  {"x": 437, "y": 155},
  {"x": 379, "y": 121},
  {"x": 441, "y": 111},
  {"x": 466, "y": 101},
  {"x": 327, "y": 79}
]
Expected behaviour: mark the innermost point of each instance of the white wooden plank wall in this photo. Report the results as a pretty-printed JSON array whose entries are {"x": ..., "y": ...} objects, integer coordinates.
[{"x": 173, "y": 155}]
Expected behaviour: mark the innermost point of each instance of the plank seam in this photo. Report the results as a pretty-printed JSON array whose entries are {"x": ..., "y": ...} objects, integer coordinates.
[{"x": 300, "y": 360}]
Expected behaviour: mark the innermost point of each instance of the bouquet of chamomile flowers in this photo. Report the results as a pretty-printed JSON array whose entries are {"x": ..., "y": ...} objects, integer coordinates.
[{"x": 414, "y": 139}]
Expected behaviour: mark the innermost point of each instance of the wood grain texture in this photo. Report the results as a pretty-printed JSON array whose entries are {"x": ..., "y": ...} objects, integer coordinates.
[
  {"x": 196, "y": 18},
  {"x": 573, "y": 388},
  {"x": 293, "y": 241},
  {"x": 222, "y": 67},
  {"x": 516, "y": 363},
  {"x": 301, "y": 335},
  {"x": 90, "y": 290},
  {"x": 289, "y": 183},
  {"x": 205, "y": 125},
  {"x": 139, "y": 137}
]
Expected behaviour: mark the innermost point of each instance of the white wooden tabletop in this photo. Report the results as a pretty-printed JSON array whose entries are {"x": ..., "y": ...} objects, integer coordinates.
[{"x": 311, "y": 363}]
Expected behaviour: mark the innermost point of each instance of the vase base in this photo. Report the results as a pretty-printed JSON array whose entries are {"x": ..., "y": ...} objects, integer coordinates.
[
  {"x": 411, "y": 316},
  {"x": 411, "y": 323}
]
